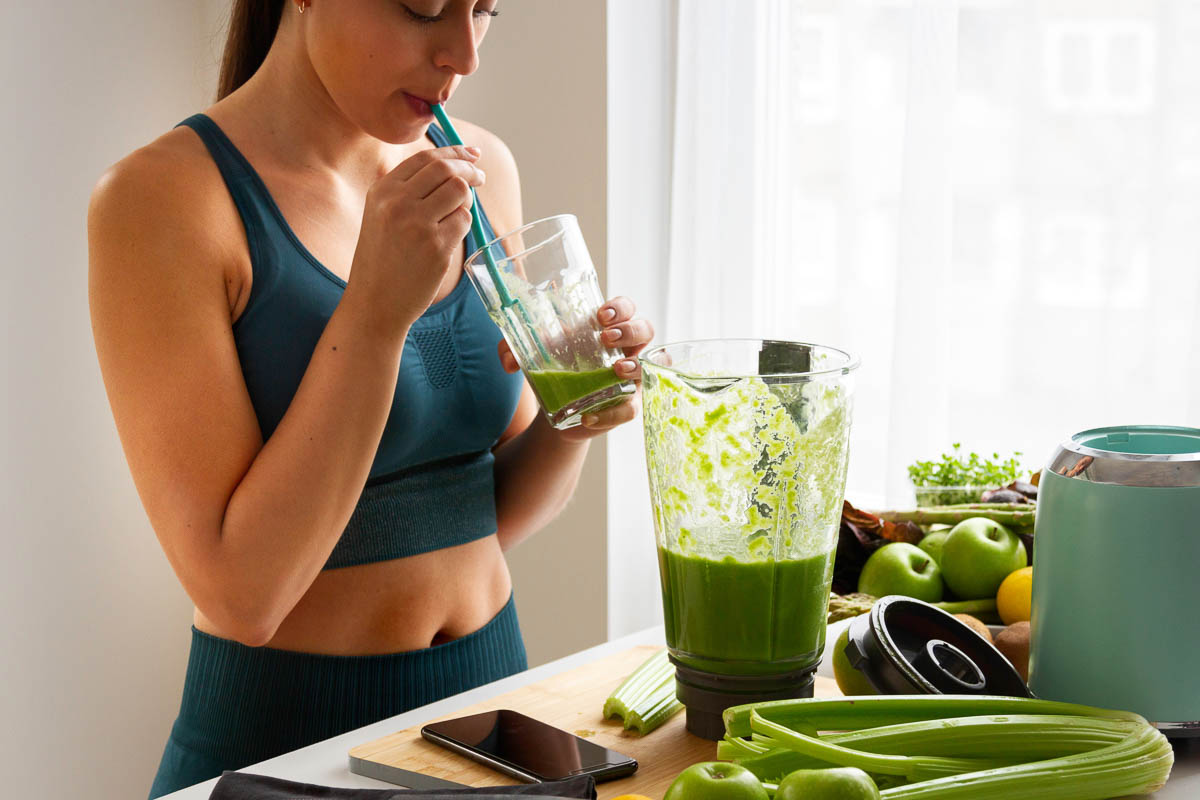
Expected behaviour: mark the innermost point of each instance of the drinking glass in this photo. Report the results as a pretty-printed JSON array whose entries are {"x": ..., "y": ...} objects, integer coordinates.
[{"x": 551, "y": 324}]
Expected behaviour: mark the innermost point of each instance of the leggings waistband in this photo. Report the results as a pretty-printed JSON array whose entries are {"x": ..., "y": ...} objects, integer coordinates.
[{"x": 245, "y": 704}]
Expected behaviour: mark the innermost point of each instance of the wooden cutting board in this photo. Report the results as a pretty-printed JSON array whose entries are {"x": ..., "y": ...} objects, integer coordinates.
[{"x": 572, "y": 701}]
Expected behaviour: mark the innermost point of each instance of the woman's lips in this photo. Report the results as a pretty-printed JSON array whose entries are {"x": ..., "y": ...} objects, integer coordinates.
[{"x": 419, "y": 106}]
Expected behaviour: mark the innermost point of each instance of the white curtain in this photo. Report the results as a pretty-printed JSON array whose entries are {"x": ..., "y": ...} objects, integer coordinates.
[{"x": 995, "y": 203}]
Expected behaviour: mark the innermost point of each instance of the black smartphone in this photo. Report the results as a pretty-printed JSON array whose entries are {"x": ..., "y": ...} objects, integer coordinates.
[{"x": 527, "y": 749}]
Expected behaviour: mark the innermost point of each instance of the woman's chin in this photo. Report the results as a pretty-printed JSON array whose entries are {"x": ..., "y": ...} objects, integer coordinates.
[{"x": 401, "y": 131}]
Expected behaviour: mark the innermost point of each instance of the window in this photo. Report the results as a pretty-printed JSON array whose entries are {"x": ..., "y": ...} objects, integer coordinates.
[{"x": 1100, "y": 66}]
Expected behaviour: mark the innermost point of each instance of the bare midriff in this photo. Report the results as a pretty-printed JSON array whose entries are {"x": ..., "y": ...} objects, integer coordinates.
[{"x": 394, "y": 606}]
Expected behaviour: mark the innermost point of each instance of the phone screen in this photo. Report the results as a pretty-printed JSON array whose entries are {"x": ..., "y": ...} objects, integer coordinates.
[{"x": 543, "y": 751}]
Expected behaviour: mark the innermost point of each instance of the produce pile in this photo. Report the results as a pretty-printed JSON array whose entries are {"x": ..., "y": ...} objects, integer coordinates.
[
  {"x": 972, "y": 559},
  {"x": 862, "y": 533}
]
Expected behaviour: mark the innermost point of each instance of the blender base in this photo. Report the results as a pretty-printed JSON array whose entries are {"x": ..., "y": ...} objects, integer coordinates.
[{"x": 707, "y": 695}]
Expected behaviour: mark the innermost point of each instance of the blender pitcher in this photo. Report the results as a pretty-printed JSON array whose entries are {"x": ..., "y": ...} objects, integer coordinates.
[{"x": 746, "y": 448}]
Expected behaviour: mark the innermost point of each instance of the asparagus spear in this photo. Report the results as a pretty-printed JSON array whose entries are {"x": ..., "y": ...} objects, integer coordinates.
[{"x": 1014, "y": 515}]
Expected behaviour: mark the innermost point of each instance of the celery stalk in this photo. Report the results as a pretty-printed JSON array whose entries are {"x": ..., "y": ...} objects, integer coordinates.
[
  {"x": 871, "y": 711},
  {"x": 948, "y": 747},
  {"x": 984, "y": 606},
  {"x": 910, "y": 767},
  {"x": 645, "y": 699},
  {"x": 1006, "y": 741}
]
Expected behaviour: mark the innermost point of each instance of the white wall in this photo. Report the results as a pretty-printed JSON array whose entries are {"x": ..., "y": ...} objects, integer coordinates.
[{"x": 93, "y": 624}]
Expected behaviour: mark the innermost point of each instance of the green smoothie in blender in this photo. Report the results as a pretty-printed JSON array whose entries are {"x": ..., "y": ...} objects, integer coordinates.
[
  {"x": 746, "y": 477},
  {"x": 744, "y": 617}
]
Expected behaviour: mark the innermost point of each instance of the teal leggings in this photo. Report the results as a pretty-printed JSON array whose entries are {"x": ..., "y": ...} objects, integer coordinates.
[{"x": 242, "y": 705}]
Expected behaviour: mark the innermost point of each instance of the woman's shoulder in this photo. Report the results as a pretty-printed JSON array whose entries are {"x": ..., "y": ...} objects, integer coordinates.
[
  {"x": 501, "y": 194},
  {"x": 167, "y": 193},
  {"x": 158, "y": 171}
]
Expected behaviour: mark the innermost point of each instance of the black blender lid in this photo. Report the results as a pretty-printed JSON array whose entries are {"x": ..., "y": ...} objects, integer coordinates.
[{"x": 907, "y": 646}]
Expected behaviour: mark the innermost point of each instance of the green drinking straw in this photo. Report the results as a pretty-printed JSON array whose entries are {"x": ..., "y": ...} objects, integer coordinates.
[
  {"x": 506, "y": 300},
  {"x": 476, "y": 224}
]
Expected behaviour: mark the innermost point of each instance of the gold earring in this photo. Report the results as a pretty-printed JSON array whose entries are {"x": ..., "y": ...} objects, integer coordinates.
[{"x": 301, "y": 5}]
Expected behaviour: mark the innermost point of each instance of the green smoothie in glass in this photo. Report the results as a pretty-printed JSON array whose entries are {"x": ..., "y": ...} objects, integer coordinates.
[
  {"x": 543, "y": 295},
  {"x": 556, "y": 388}
]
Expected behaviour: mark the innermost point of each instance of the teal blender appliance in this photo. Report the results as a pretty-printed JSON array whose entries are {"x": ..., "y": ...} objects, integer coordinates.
[{"x": 1115, "y": 564}]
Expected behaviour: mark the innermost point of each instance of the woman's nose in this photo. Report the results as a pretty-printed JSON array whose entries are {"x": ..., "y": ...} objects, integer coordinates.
[{"x": 458, "y": 50}]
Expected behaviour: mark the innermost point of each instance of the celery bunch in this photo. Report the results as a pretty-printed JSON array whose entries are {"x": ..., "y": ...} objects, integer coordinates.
[
  {"x": 646, "y": 699},
  {"x": 953, "y": 747}
]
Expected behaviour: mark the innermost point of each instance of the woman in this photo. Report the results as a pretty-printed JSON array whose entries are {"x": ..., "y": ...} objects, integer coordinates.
[{"x": 330, "y": 439}]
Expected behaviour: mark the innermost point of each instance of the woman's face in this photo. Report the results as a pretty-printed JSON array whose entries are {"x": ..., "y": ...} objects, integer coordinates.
[{"x": 384, "y": 61}]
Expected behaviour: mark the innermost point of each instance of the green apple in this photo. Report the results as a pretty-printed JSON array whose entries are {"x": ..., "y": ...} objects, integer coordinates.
[
  {"x": 932, "y": 544},
  {"x": 716, "y": 780},
  {"x": 901, "y": 568},
  {"x": 837, "y": 783},
  {"x": 849, "y": 680},
  {"x": 978, "y": 555}
]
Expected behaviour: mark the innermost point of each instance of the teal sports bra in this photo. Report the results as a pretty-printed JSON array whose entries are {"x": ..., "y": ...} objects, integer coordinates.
[{"x": 431, "y": 484}]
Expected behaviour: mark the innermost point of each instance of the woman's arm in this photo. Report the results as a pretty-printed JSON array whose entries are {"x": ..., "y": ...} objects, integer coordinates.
[
  {"x": 537, "y": 470},
  {"x": 537, "y": 467},
  {"x": 536, "y": 474},
  {"x": 246, "y": 526}
]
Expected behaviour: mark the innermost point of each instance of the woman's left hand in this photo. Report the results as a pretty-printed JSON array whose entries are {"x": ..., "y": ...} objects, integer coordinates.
[{"x": 619, "y": 328}]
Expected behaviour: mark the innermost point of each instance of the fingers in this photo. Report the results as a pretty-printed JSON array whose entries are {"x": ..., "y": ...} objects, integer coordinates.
[
  {"x": 635, "y": 333},
  {"x": 507, "y": 360},
  {"x": 618, "y": 309},
  {"x": 621, "y": 329},
  {"x": 454, "y": 226},
  {"x": 449, "y": 197},
  {"x": 426, "y": 183},
  {"x": 628, "y": 369},
  {"x": 414, "y": 164},
  {"x": 609, "y": 418}
]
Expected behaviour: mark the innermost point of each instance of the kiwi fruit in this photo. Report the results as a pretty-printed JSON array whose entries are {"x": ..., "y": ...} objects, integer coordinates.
[
  {"x": 976, "y": 625},
  {"x": 1013, "y": 644}
]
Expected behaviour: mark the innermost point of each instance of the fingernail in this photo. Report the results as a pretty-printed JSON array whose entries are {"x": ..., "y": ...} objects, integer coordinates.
[
  {"x": 607, "y": 314},
  {"x": 590, "y": 419},
  {"x": 627, "y": 366},
  {"x": 481, "y": 174},
  {"x": 612, "y": 335},
  {"x": 475, "y": 151}
]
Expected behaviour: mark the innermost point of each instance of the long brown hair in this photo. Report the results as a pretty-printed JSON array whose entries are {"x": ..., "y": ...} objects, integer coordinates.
[{"x": 252, "y": 27}]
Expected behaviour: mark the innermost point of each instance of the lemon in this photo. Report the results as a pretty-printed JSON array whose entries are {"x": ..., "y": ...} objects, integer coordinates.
[
  {"x": 1015, "y": 596},
  {"x": 849, "y": 680}
]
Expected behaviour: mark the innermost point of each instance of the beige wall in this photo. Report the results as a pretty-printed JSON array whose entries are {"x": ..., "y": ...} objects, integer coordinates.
[
  {"x": 541, "y": 89},
  {"x": 94, "y": 627},
  {"x": 93, "y": 624}
]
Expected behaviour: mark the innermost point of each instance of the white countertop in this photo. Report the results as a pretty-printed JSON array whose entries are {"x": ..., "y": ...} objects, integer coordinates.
[{"x": 326, "y": 763}]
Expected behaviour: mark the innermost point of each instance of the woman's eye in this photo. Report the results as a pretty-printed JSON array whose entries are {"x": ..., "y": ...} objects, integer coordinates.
[
  {"x": 419, "y": 18},
  {"x": 422, "y": 18},
  {"x": 425, "y": 19}
]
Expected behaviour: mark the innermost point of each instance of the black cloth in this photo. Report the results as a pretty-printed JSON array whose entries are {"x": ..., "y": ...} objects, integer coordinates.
[{"x": 245, "y": 786}]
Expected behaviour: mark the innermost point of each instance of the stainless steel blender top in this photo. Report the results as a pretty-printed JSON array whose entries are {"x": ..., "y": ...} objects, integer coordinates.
[{"x": 1115, "y": 570}]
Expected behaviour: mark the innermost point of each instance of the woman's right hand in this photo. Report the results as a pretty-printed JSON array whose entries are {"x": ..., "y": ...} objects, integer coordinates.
[{"x": 414, "y": 219}]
